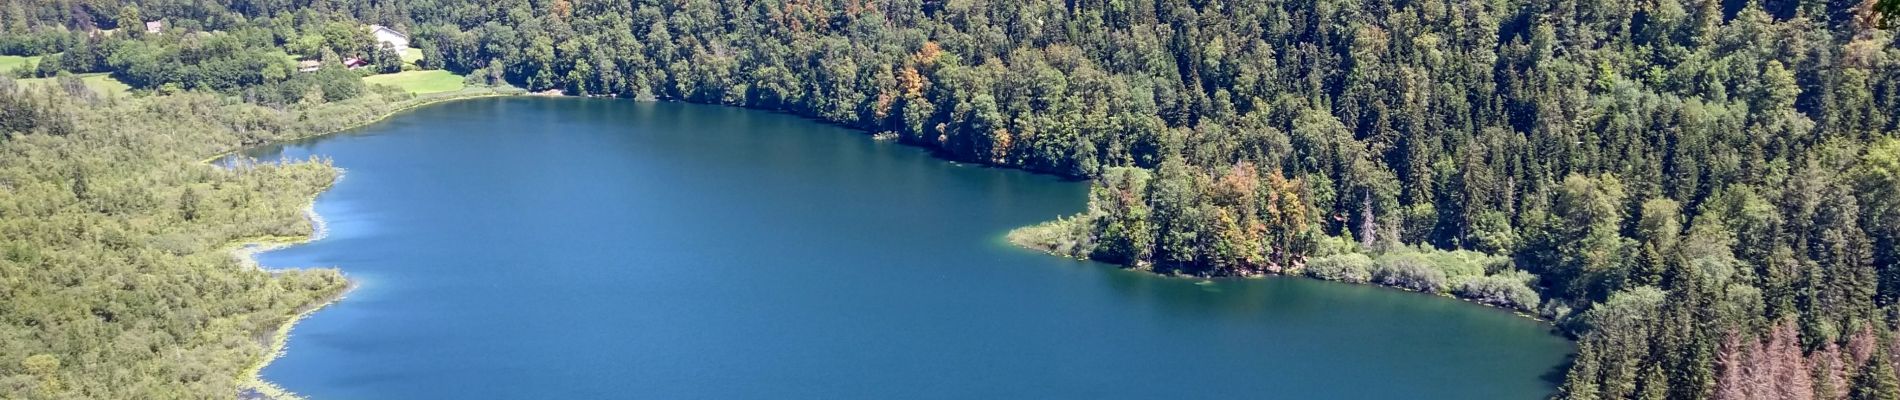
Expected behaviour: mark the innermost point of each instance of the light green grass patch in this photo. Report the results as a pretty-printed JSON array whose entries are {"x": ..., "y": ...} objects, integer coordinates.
[
  {"x": 419, "y": 82},
  {"x": 411, "y": 55},
  {"x": 10, "y": 63},
  {"x": 98, "y": 82}
]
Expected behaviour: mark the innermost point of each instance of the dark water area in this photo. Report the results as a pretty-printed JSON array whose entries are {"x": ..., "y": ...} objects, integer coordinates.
[{"x": 589, "y": 248}]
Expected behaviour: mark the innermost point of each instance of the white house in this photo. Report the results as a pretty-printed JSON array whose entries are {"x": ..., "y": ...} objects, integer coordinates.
[{"x": 394, "y": 39}]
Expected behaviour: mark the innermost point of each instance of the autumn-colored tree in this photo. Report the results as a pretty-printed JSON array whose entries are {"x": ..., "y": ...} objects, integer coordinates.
[
  {"x": 1125, "y": 230},
  {"x": 1736, "y": 363}
]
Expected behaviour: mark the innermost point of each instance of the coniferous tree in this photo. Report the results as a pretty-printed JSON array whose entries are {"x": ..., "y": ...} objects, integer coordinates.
[{"x": 1875, "y": 380}]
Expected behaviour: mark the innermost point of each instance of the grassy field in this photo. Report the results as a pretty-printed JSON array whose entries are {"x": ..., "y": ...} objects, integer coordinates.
[
  {"x": 100, "y": 82},
  {"x": 9, "y": 63},
  {"x": 411, "y": 56},
  {"x": 419, "y": 82}
]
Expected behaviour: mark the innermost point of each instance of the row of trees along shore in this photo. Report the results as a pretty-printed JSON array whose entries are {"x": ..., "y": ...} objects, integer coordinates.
[{"x": 1706, "y": 193}]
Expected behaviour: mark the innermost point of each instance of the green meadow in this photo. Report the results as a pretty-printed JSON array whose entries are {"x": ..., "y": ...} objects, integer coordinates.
[{"x": 419, "y": 82}]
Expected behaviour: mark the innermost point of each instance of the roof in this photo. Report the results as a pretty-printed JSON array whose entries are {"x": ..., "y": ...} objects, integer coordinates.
[
  {"x": 154, "y": 26},
  {"x": 379, "y": 28}
]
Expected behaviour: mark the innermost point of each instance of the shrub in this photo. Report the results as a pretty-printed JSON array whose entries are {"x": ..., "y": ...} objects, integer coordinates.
[
  {"x": 1408, "y": 271},
  {"x": 1351, "y": 267},
  {"x": 1510, "y": 289},
  {"x": 1063, "y": 236},
  {"x": 1457, "y": 264},
  {"x": 1327, "y": 245}
]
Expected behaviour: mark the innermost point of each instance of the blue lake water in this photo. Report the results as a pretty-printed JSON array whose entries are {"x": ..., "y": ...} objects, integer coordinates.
[{"x": 591, "y": 248}]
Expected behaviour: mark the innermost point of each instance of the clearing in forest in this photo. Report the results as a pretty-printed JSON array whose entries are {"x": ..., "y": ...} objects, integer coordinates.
[{"x": 419, "y": 82}]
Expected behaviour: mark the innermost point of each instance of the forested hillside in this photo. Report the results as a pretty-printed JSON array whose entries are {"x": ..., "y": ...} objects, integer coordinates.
[{"x": 1706, "y": 193}]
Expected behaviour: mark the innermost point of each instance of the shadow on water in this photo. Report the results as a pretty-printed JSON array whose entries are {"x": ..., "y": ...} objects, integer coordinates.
[
  {"x": 1555, "y": 376},
  {"x": 1247, "y": 293},
  {"x": 936, "y": 152}
]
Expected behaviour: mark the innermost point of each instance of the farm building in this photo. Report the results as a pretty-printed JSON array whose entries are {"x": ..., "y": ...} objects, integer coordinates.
[{"x": 386, "y": 35}]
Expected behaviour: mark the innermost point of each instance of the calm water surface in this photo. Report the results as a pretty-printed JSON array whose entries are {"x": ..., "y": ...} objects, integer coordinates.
[{"x": 550, "y": 248}]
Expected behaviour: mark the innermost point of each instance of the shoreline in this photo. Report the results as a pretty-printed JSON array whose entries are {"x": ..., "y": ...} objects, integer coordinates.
[
  {"x": 402, "y": 107},
  {"x": 1283, "y": 274},
  {"x": 251, "y": 384},
  {"x": 250, "y": 381}
]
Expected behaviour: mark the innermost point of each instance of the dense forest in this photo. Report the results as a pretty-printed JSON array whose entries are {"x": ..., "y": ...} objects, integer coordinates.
[
  {"x": 114, "y": 275},
  {"x": 1705, "y": 193}
]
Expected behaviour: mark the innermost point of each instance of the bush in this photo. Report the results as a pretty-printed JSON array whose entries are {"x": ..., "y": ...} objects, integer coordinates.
[
  {"x": 48, "y": 66},
  {"x": 1327, "y": 245},
  {"x": 1509, "y": 290},
  {"x": 1409, "y": 271},
  {"x": 1457, "y": 264},
  {"x": 1064, "y": 236},
  {"x": 1351, "y": 267}
]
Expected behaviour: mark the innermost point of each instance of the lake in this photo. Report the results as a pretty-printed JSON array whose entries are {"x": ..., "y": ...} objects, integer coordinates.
[{"x": 593, "y": 248}]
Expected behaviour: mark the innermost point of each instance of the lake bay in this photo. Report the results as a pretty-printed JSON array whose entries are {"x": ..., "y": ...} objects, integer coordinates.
[{"x": 594, "y": 248}]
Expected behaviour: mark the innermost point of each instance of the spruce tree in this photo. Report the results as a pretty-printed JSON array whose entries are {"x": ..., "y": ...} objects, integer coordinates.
[
  {"x": 1581, "y": 382},
  {"x": 1876, "y": 380}
]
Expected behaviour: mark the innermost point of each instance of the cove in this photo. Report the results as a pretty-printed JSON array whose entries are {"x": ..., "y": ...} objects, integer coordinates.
[{"x": 592, "y": 248}]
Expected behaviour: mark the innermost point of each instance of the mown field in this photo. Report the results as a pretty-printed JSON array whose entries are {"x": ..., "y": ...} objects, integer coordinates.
[
  {"x": 10, "y": 63},
  {"x": 419, "y": 82},
  {"x": 99, "y": 82}
]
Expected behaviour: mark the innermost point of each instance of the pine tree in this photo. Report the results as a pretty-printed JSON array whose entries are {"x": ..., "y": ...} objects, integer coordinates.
[
  {"x": 1655, "y": 385},
  {"x": 1581, "y": 382},
  {"x": 188, "y": 204},
  {"x": 1876, "y": 380}
]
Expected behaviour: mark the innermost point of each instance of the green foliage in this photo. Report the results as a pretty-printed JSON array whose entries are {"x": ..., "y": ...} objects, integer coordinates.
[
  {"x": 115, "y": 242},
  {"x": 1876, "y": 380},
  {"x": 1509, "y": 290},
  {"x": 1350, "y": 267},
  {"x": 1123, "y": 227},
  {"x": 1889, "y": 11},
  {"x": 1064, "y": 236},
  {"x": 217, "y": 61},
  {"x": 336, "y": 84},
  {"x": 1410, "y": 271},
  {"x": 1588, "y": 254}
]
